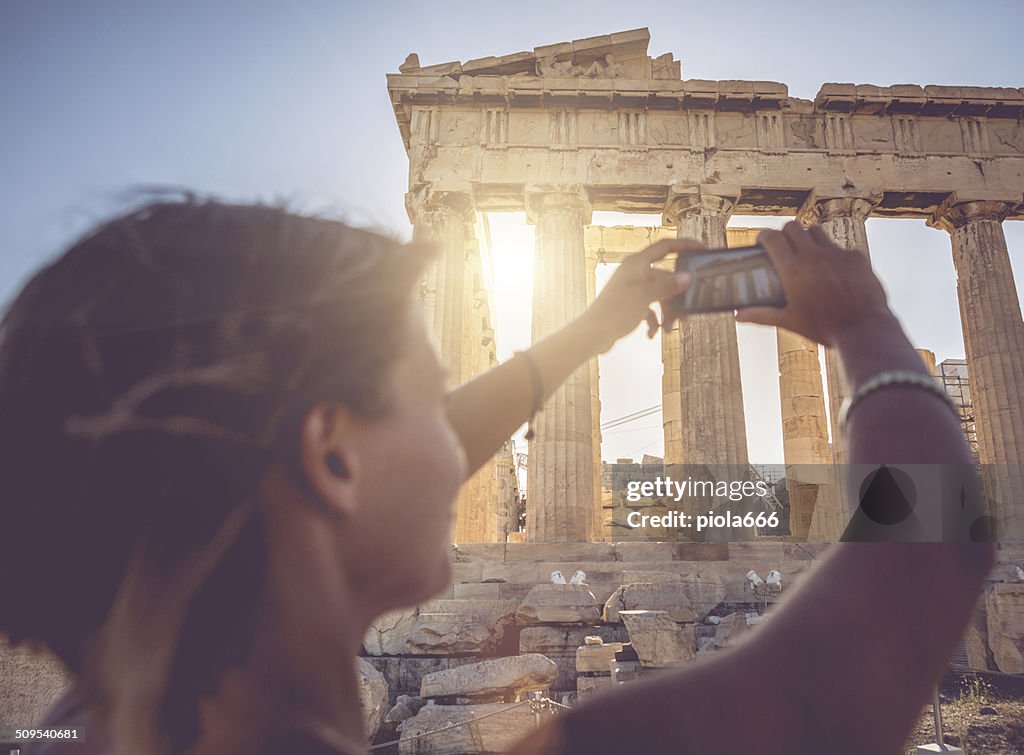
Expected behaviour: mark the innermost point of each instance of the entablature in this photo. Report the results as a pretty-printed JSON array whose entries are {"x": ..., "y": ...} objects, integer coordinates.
[
  {"x": 602, "y": 114},
  {"x": 767, "y": 184}
]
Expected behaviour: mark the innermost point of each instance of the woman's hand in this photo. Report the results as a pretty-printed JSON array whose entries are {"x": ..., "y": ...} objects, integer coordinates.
[
  {"x": 626, "y": 300},
  {"x": 831, "y": 292}
]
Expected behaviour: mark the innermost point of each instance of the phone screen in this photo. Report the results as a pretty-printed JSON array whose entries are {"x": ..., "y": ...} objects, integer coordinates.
[{"x": 727, "y": 279}]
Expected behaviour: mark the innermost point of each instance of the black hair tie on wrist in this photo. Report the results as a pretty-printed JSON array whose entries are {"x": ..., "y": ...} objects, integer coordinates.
[{"x": 538, "y": 391}]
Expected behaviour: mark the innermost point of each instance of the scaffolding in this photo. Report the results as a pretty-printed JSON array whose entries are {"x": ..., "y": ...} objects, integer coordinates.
[{"x": 953, "y": 376}]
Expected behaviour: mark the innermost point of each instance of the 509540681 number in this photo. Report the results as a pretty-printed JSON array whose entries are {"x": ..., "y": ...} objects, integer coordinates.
[{"x": 15, "y": 734}]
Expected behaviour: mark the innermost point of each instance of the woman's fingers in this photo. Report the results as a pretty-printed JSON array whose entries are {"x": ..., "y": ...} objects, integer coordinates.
[
  {"x": 820, "y": 236},
  {"x": 661, "y": 249},
  {"x": 799, "y": 238},
  {"x": 652, "y": 323},
  {"x": 778, "y": 248},
  {"x": 661, "y": 284},
  {"x": 762, "y": 315}
]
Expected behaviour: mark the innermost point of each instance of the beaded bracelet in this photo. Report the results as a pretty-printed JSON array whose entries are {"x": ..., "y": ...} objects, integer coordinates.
[
  {"x": 537, "y": 385},
  {"x": 891, "y": 378}
]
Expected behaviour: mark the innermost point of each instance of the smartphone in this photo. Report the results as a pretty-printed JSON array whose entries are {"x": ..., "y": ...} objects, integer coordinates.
[{"x": 728, "y": 279}]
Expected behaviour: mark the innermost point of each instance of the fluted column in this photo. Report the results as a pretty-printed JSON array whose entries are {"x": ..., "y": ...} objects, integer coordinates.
[
  {"x": 453, "y": 309},
  {"x": 994, "y": 342},
  {"x": 843, "y": 218},
  {"x": 445, "y": 219},
  {"x": 671, "y": 403},
  {"x": 477, "y": 509},
  {"x": 711, "y": 427},
  {"x": 560, "y": 476},
  {"x": 597, "y": 532},
  {"x": 805, "y": 445}
]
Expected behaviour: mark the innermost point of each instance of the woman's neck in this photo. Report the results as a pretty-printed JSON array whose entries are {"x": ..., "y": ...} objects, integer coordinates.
[{"x": 301, "y": 672}]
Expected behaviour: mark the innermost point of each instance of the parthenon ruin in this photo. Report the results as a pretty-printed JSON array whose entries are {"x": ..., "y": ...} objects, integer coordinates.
[{"x": 598, "y": 124}]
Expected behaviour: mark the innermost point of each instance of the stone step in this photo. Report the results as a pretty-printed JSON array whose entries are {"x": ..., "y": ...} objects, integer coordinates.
[
  {"x": 496, "y": 733},
  {"x": 511, "y": 675},
  {"x": 603, "y": 578}
]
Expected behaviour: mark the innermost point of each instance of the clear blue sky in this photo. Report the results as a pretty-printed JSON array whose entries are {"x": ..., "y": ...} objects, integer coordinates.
[{"x": 271, "y": 100}]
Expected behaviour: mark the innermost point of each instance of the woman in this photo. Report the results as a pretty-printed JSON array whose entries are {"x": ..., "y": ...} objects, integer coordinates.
[{"x": 228, "y": 447}]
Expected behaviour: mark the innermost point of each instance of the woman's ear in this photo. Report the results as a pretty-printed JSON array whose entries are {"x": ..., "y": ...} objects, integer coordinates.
[{"x": 328, "y": 457}]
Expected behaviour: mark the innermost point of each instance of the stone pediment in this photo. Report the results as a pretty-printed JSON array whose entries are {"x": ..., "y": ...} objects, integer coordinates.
[{"x": 619, "y": 55}]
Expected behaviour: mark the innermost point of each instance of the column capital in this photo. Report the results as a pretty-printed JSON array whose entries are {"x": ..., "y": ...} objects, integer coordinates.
[
  {"x": 705, "y": 199},
  {"x": 425, "y": 198},
  {"x": 961, "y": 208},
  {"x": 825, "y": 204},
  {"x": 539, "y": 199}
]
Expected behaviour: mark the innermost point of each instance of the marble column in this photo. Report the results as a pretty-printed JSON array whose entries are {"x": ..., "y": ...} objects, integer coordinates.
[
  {"x": 843, "y": 218},
  {"x": 993, "y": 330},
  {"x": 711, "y": 426},
  {"x": 477, "y": 512},
  {"x": 671, "y": 403},
  {"x": 560, "y": 476},
  {"x": 595, "y": 410},
  {"x": 805, "y": 445},
  {"x": 453, "y": 310},
  {"x": 446, "y": 219}
]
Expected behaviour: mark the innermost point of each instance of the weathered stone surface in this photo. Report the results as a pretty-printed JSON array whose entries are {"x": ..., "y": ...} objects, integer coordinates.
[
  {"x": 979, "y": 656},
  {"x": 403, "y": 675},
  {"x": 440, "y": 627},
  {"x": 568, "y": 552},
  {"x": 590, "y": 685},
  {"x": 665, "y": 596},
  {"x": 559, "y": 643},
  {"x": 496, "y": 733},
  {"x": 596, "y": 658},
  {"x": 627, "y": 671},
  {"x": 470, "y": 552},
  {"x": 688, "y": 597},
  {"x": 484, "y": 609},
  {"x": 373, "y": 696},
  {"x": 510, "y": 675},
  {"x": 30, "y": 683},
  {"x": 658, "y": 640},
  {"x": 627, "y": 551},
  {"x": 548, "y": 639},
  {"x": 477, "y": 591},
  {"x": 398, "y": 713},
  {"x": 387, "y": 633},
  {"x": 558, "y": 604},
  {"x": 443, "y": 634},
  {"x": 1005, "y": 609},
  {"x": 467, "y": 572},
  {"x": 730, "y": 630}
]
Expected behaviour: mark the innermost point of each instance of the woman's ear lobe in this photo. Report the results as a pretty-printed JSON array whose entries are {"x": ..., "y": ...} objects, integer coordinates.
[{"x": 325, "y": 463}]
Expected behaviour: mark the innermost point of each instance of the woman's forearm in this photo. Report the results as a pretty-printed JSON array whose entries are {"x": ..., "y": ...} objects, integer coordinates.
[
  {"x": 486, "y": 411},
  {"x": 902, "y": 606}
]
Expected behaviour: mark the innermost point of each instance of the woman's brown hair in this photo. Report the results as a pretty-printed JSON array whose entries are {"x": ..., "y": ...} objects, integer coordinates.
[{"x": 148, "y": 379}]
